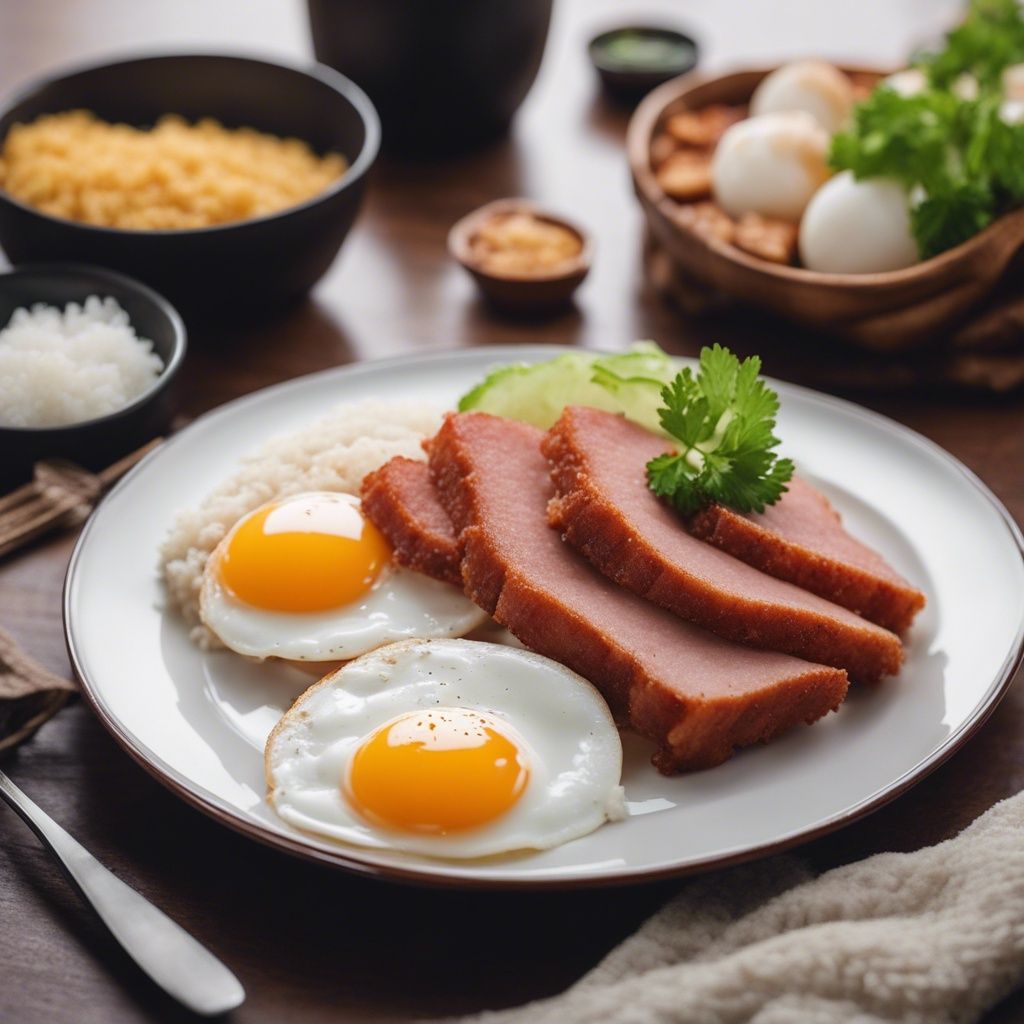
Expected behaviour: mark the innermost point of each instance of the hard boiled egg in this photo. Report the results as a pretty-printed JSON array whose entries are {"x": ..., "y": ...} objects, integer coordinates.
[
  {"x": 813, "y": 86},
  {"x": 858, "y": 227},
  {"x": 770, "y": 165},
  {"x": 908, "y": 82},
  {"x": 1013, "y": 82},
  {"x": 449, "y": 748},
  {"x": 1012, "y": 109},
  {"x": 309, "y": 578}
]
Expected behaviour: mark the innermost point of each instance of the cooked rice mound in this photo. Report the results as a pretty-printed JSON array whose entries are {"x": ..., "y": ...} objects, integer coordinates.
[
  {"x": 332, "y": 454},
  {"x": 60, "y": 366}
]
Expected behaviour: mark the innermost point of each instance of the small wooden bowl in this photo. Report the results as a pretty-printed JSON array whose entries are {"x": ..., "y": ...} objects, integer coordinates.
[
  {"x": 521, "y": 293},
  {"x": 892, "y": 311}
]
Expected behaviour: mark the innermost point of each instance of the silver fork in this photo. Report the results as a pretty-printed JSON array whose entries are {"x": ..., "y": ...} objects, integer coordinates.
[{"x": 164, "y": 950}]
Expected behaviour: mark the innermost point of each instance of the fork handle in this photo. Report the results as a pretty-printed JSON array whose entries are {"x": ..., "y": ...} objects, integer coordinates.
[{"x": 164, "y": 950}]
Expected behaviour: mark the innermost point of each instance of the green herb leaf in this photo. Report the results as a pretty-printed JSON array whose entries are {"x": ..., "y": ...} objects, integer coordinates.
[
  {"x": 950, "y": 217},
  {"x": 990, "y": 38},
  {"x": 962, "y": 164},
  {"x": 724, "y": 420},
  {"x": 910, "y": 138}
]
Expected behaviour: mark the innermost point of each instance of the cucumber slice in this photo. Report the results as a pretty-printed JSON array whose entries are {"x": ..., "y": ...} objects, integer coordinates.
[{"x": 629, "y": 382}]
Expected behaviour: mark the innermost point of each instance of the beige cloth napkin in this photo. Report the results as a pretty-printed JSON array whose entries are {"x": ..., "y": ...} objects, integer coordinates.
[
  {"x": 29, "y": 694},
  {"x": 931, "y": 937}
]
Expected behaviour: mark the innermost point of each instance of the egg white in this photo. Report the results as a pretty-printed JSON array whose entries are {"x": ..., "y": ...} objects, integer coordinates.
[
  {"x": 574, "y": 752},
  {"x": 814, "y": 86},
  {"x": 858, "y": 227},
  {"x": 400, "y": 604},
  {"x": 771, "y": 165}
]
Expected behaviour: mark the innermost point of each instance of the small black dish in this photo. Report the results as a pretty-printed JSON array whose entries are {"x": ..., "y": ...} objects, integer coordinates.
[
  {"x": 633, "y": 59},
  {"x": 231, "y": 269},
  {"x": 94, "y": 443}
]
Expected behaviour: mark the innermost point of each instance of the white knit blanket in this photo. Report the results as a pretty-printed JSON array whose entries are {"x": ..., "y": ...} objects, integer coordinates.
[{"x": 929, "y": 937}]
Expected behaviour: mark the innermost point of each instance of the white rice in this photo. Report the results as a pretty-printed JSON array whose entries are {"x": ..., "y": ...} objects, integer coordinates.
[
  {"x": 65, "y": 366},
  {"x": 333, "y": 454}
]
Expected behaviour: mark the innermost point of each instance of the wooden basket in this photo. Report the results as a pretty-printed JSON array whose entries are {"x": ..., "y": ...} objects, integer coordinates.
[{"x": 893, "y": 311}]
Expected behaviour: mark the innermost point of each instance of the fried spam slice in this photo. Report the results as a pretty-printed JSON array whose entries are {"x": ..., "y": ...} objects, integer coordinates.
[
  {"x": 695, "y": 695},
  {"x": 399, "y": 499},
  {"x": 606, "y": 511},
  {"x": 801, "y": 539}
]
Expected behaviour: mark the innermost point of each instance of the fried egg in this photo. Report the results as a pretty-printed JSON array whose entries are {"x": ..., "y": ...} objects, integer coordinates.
[
  {"x": 449, "y": 748},
  {"x": 310, "y": 578}
]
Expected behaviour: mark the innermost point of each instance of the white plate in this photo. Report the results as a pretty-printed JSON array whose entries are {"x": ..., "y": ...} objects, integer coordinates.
[{"x": 198, "y": 721}]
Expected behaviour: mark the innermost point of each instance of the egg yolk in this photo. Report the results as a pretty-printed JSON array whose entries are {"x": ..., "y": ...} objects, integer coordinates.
[
  {"x": 303, "y": 554},
  {"x": 437, "y": 771}
]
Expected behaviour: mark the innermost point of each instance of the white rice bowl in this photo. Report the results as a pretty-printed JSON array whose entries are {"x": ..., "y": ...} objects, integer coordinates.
[{"x": 63, "y": 366}]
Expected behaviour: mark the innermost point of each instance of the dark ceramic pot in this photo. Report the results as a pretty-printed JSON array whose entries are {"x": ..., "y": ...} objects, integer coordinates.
[
  {"x": 446, "y": 75},
  {"x": 232, "y": 268},
  {"x": 94, "y": 443}
]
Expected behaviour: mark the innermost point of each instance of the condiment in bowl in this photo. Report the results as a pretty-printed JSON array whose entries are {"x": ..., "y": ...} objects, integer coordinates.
[
  {"x": 523, "y": 258},
  {"x": 634, "y": 59}
]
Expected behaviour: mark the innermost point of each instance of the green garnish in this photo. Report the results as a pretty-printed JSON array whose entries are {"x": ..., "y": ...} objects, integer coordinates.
[
  {"x": 963, "y": 164},
  {"x": 989, "y": 39},
  {"x": 626, "y": 382},
  {"x": 724, "y": 418},
  {"x": 639, "y": 49}
]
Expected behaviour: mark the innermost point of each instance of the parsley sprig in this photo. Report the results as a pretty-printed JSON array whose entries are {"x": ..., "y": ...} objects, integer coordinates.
[
  {"x": 988, "y": 40},
  {"x": 723, "y": 418},
  {"x": 959, "y": 157}
]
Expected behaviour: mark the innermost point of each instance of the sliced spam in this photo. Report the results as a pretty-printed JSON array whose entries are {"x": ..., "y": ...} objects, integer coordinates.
[
  {"x": 801, "y": 539},
  {"x": 399, "y": 499},
  {"x": 605, "y": 510},
  {"x": 694, "y": 694}
]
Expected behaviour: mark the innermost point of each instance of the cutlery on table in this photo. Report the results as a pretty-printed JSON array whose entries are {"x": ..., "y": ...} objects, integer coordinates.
[{"x": 164, "y": 950}]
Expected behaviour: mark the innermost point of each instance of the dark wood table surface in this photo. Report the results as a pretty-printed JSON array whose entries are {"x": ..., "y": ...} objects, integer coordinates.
[{"x": 311, "y": 944}]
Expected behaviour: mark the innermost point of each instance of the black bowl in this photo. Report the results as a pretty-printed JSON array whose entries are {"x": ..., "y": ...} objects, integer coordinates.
[
  {"x": 628, "y": 81},
  {"x": 232, "y": 268},
  {"x": 446, "y": 75},
  {"x": 94, "y": 443}
]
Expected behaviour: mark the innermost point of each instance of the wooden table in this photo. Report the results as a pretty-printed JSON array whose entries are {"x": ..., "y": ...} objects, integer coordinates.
[{"x": 311, "y": 944}]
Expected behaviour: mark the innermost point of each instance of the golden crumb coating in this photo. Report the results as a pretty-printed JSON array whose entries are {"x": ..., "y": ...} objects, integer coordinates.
[
  {"x": 174, "y": 176},
  {"x": 523, "y": 244}
]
